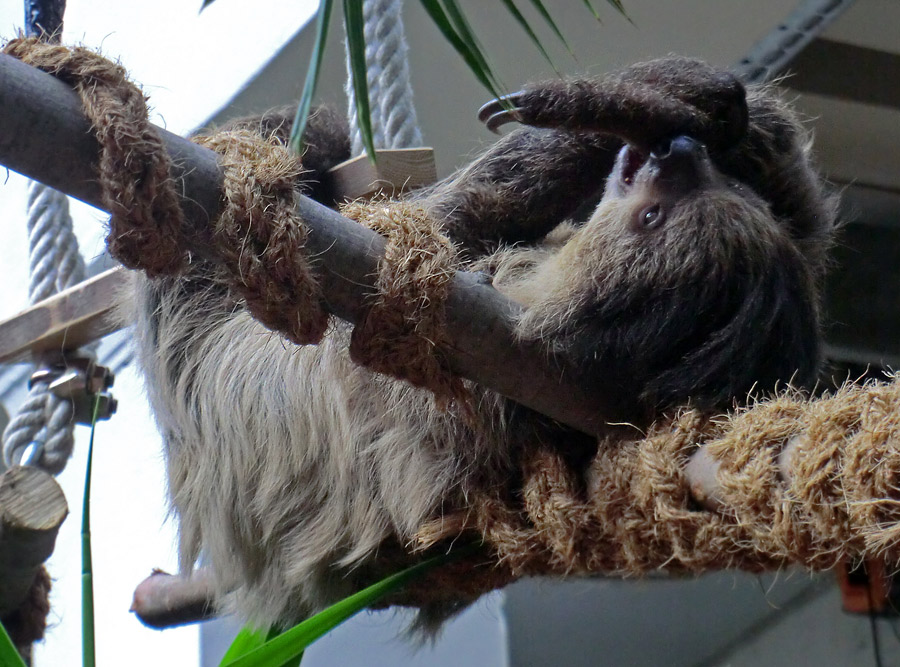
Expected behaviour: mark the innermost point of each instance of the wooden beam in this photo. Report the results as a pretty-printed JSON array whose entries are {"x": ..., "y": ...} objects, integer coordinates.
[
  {"x": 395, "y": 171},
  {"x": 65, "y": 321}
]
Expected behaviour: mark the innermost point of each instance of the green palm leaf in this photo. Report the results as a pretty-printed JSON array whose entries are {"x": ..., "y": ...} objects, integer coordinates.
[
  {"x": 449, "y": 19},
  {"x": 289, "y": 645},
  {"x": 312, "y": 74},
  {"x": 9, "y": 656}
]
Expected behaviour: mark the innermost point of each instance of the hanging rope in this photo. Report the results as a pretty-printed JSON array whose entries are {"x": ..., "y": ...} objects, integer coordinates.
[
  {"x": 394, "y": 123},
  {"x": 42, "y": 432}
]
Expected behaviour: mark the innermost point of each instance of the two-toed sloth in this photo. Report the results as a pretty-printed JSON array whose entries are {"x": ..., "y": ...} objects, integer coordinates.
[{"x": 695, "y": 280}]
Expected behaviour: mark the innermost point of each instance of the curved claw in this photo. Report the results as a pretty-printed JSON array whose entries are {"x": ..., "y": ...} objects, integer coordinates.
[
  {"x": 506, "y": 109},
  {"x": 497, "y": 120}
]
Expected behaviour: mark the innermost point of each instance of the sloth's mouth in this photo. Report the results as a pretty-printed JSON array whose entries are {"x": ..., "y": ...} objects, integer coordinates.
[{"x": 632, "y": 160}]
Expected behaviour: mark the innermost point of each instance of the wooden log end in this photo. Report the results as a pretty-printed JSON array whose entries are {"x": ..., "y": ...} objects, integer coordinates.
[{"x": 30, "y": 499}]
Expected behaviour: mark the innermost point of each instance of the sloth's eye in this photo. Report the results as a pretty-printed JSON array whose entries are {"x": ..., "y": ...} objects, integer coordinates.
[{"x": 651, "y": 217}]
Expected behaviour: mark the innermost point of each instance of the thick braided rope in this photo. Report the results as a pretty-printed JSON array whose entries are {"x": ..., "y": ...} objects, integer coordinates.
[
  {"x": 403, "y": 331},
  {"x": 42, "y": 432},
  {"x": 393, "y": 114},
  {"x": 145, "y": 216},
  {"x": 631, "y": 511},
  {"x": 259, "y": 237}
]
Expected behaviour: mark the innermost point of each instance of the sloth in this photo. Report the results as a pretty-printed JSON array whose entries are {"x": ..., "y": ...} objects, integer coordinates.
[{"x": 694, "y": 279}]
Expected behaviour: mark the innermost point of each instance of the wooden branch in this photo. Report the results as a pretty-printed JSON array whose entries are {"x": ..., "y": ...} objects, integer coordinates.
[
  {"x": 32, "y": 508},
  {"x": 44, "y": 135},
  {"x": 165, "y": 600},
  {"x": 82, "y": 313}
]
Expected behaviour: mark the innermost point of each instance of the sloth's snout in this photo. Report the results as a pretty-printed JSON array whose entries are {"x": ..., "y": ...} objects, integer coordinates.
[
  {"x": 679, "y": 148},
  {"x": 681, "y": 163}
]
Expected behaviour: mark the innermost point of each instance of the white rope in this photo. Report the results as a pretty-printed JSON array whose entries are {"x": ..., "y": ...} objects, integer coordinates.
[
  {"x": 394, "y": 123},
  {"x": 41, "y": 433}
]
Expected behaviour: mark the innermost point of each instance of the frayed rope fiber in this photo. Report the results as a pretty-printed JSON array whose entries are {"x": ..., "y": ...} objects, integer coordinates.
[
  {"x": 403, "y": 332},
  {"x": 146, "y": 222},
  {"x": 259, "y": 237},
  {"x": 631, "y": 510}
]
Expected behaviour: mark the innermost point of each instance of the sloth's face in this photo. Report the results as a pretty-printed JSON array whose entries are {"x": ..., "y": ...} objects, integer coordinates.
[
  {"x": 675, "y": 195},
  {"x": 659, "y": 181}
]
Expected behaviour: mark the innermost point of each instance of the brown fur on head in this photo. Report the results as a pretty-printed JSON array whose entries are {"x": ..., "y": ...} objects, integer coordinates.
[{"x": 695, "y": 279}]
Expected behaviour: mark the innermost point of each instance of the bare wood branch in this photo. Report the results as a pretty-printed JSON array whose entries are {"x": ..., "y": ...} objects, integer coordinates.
[
  {"x": 32, "y": 508},
  {"x": 165, "y": 600},
  {"x": 82, "y": 313},
  {"x": 44, "y": 135}
]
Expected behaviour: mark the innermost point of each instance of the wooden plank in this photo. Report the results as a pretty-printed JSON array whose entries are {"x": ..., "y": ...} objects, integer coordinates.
[
  {"x": 395, "y": 171},
  {"x": 67, "y": 320}
]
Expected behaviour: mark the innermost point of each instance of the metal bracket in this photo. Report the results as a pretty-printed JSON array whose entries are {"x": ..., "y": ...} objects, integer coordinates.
[
  {"x": 84, "y": 382},
  {"x": 772, "y": 54}
]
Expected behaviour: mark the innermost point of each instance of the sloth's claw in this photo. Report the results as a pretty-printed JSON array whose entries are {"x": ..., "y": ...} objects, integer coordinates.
[
  {"x": 496, "y": 121},
  {"x": 503, "y": 110}
]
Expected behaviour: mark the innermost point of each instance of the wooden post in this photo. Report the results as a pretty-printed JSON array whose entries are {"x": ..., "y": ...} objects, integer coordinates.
[{"x": 32, "y": 508}]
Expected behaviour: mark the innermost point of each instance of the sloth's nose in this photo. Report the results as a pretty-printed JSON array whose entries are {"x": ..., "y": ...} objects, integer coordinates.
[
  {"x": 681, "y": 147},
  {"x": 680, "y": 163}
]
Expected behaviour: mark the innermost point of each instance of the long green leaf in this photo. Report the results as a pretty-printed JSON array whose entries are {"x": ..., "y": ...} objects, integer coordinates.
[
  {"x": 439, "y": 16},
  {"x": 248, "y": 640},
  {"x": 87, "y": 570},
  {"x": 590, "y": 6},
  {"x": 245, "y": 641},
  {"x": 9, "y": 656},
  {"x": 620, "y": 8},
  {"x": 356, "y": 50},
  {"x": 312, "y": 75},
  {"x": 290, "y": 644},
  {"x": 617, "y": 5},
  {"x": 465, "y": 32},
  {"x": 517, "y": 15},
  {"x": 542, "y": 10}
]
